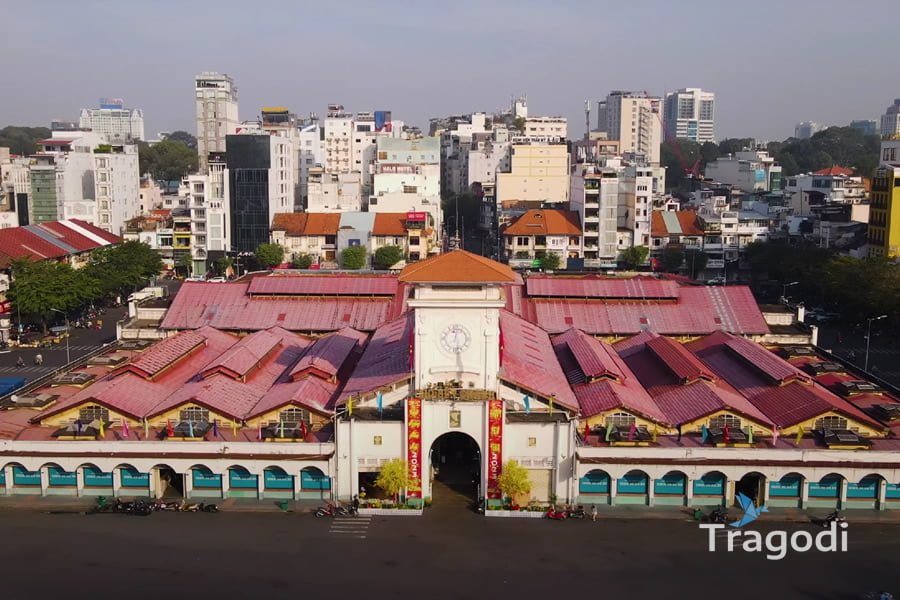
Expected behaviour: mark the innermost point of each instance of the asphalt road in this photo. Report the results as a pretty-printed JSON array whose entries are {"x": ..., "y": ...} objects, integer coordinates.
[
  {"x": 81, "y": 342},
  {"x": 441, "y": 555},
  {"x": 849, "y": 343}
]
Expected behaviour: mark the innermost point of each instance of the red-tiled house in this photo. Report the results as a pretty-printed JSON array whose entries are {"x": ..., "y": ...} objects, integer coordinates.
[
  {"x": 71, "y": 240},
  {"x": 680, "y": 229},
  {"x": 542, "y": 231},
  {"x": 314, "y": 234}
]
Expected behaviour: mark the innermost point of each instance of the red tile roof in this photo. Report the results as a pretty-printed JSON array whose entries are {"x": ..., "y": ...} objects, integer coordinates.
[
  {"x": 324, "y": 285},
  {"x": 684, "y": 365},
  {"x": 385, "y": 360},
  {"x": 328, "y": 354},
  {"x": 84, "y": 226},
  {"x": 601, "y": 287},
  {"x": 389, "y": 224},
  {"x": 835, "y": 171},
  {"x": 457, "y": 266},
  {"x": 51, "y": 240},
  {"x": 529, "y": 361},
  {"x": 165, "y": 354},
  {"x": 546, "y": 222},
  {"x": 237, "y": 361},
  {"x": 687, "y": 223},
  {"x": 307, "y": 223}
]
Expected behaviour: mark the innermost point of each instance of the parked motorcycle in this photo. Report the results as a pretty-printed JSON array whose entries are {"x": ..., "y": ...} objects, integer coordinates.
[
  {"x": 161, "y": 506},
  {"x": 575, "y": 513},
  {"x": 833, "y": 517},
  {"x": 330, "y": 510},
  {"x": 480, "y": 507},
  {"x": 555, "y": 514},
  {"x": 208, "y": 508},
  {"x": 718, "y": 515},
  {"x": 190, "y": 507}
]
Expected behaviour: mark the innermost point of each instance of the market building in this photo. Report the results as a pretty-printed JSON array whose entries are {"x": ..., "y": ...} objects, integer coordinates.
[{"x": 304, "y": 386}]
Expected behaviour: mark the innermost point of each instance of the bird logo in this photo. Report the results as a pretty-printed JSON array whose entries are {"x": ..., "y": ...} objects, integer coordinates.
[{"x": 751, "y": 512}]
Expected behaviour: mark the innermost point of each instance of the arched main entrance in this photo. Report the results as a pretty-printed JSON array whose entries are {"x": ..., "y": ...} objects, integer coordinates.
[{"x": 455, "y": 470}]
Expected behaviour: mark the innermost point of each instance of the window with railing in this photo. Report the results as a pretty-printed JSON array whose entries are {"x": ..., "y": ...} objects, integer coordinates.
[
  {"x": 194, "y": 414},
  {"x": 721, "y": 421},
  {"x": 292, "y": 417},
  {"x": 831, "y": 422},
  {"x": 93, "y": 413},
  {"x": 620, "y": 420}
]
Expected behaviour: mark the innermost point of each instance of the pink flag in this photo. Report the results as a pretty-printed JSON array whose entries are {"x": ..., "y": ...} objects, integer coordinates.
[
  {"x": 774, "y": 435},
  {"x": 259, "y": 434},
  {"x": 632, "y": 432},
  {"x": 125, "y": 428}
]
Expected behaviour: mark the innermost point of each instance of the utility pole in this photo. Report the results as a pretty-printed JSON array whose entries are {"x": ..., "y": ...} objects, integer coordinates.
[{"x": 869, "y": 339}]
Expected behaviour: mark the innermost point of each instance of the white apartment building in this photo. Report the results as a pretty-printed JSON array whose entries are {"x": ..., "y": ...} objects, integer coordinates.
[
  {"x": 749, "y": 171},
  {"x": 217, "y": 113},
  {"x": 338, "y": 146},
  {"x": 728, "y": 231},
  {"x": 210, "y": 218},
  {"x": 827, "y": 186},
  {"x": 551, "y": 129},
  {"x": 333, "y": 192},
  {"x": 690, "y": 114},
  {"x": 634, "y": 119},
  {"x": 890, "y": 120},
  {"x": 117, "y": 182},
  {"x": 407, "y": 177},
  {"x": 310, "y": 153},
  {"x": 641, "y": 188},
  {"x": 806, "y": 129},
  {"x": 15, "y": 189},
  {"x": 278, "y": 120},
  {"x": 113, "y": 122},
  {"x": 456, "y": 146},
  {"x": 595, "y": 197},
  {"x": 350, "y": 141},
  {"x": 538, "y": 172}
]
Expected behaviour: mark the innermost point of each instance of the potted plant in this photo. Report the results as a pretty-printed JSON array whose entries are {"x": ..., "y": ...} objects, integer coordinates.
[
  {"x": 514, "y": 482},
  {"x": 393, "y": 478}
]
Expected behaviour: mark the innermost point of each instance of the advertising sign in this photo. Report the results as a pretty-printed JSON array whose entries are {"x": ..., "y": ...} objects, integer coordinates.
[
  {"x": 414, "y": 446},
  {"x": 495, "y": 448}
]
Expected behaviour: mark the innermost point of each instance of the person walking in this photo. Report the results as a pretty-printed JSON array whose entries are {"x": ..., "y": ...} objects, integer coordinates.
[
  {"x": 593, "y": 512},
  {"x": 20, "y": 363},
  {"x": 38, "y": 359}
]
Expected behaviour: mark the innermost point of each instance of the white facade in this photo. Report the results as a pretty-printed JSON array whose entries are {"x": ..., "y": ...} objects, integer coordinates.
[
  {"x": 890, "y": 120},
  {"x": 333, "y": 192},
  {"x": 595, "y": 197},
  {"x": 217, "y": 113},
  {"x": 114, "y": 124},
  {"x": 538, "y": 172},
  {"x": 407, "y": 177},
  {"x": 310, "y": 154},
  {"x": 117, "y": 183},
  {"x": 210, "y": 218},
  {"x": 634, "y": 119},
  {"x": 639, "y": 185},
  {"x": 834, "y": 189},
  {"x": 546, "y": 128},
  {"x": 690, "y": 114},
  {"x": 748, "y": 171}
]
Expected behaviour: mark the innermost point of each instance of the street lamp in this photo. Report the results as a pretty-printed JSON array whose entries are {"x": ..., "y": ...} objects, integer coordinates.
[
  {"x": 784, "y": 288},
  {"x": 869, "y": 338},
  {"x": 68, "y": 357}
]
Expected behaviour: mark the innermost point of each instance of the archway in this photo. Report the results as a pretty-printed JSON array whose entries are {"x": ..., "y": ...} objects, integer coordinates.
[
  {"x": 455, "y": 472},
  {"x": 169, "y": 483},
  {"x": 752, "y": 486}
]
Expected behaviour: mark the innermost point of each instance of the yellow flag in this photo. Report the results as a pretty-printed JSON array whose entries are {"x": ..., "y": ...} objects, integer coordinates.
[
  {"x": 234, "y": 428},
  {"x": 551, "y": 405},
  {"x": 146, "y": 429},
  {"x": 102, "y": 428},
  {"x": 350, "y": 406},
  {"x": 654, "y": 432},
  {"x": 799, "y": 436}
]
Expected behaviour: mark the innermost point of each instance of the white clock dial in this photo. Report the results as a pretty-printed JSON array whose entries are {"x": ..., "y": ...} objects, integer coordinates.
[{"x": 455, "y": 338}]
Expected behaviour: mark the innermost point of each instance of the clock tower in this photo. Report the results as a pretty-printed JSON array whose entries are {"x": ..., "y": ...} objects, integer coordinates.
[{"x": 457, "y": 299}]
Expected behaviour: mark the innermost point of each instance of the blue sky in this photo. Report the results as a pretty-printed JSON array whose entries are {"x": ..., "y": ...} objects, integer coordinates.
[{"x": 770, "y": 63}]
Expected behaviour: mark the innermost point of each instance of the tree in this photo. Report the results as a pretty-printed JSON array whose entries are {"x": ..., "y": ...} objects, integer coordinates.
[
  {"x": 269, "y": 255},
  {"x": 22, "y": 140},
  {"x": 695, "y": 262},
  {"x": 393, "y": 478},
  {"x": 735, "y": 145},
  {"x": 40, "y": 288},
  {"x": 672, "y": 260},
  {"x": 123, "y": 267},
  {"x": 634, "y": 256},
  {"x": 223, "y": 264},
  {"x": 185, "y": 262},
  {"x": 387, "y": 256},
  {"x": 513, "y": 481},
  {"x": 184, "y": 137},
  {"x": 835, "y": 146},
  {"x": 468, "y": 206},
  {"x": 167, "y": 160},
  {"x": 550, "y": 261},
  {"x": 353, "y": 257},
  {"x": 677, "y": 156},
  {"x": 519, "y": 124},
  {"x": 302, "y": 261}
]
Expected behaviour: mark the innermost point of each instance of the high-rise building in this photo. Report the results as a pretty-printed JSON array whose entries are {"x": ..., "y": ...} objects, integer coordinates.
[
  {"x": 634, "y": 119},
  {"x": 538, "y": 173},
  {"x": 690, "y": 115},
  {"x": 217, "y": 113},
  {"x": 112, "y": 121},
  {"x": 258, "y": 183},
  {"x": 806, "y": 129},
  {"x": 884, "y": 204},
  {"x": 890, "y": 120},
  {"x": 866, "y": 126}
]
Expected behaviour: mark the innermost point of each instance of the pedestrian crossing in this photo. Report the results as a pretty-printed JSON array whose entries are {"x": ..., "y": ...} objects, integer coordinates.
[{"x": 351, "y": 527}]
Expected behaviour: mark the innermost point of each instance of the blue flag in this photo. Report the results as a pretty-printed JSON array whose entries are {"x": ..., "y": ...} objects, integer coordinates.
[
  {"x": 527, "y": 402},
  {"x": 380, "y": 401},
  {"x": 190, "y": 429},
  {"x": 704, "y": 434}
]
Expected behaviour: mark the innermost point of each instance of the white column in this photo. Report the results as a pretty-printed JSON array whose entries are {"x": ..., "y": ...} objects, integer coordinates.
[
  {"x": 765, "y": 491},
  {"x": 842, "y": 488},
  {"x": 7, "y": 479},
  {"x": 45, "y": 480},
  {"x": 117, "y": 481},
  {"x": 261, "y": 485},
  {"x": 79, "y": 481},
  {"x": 804, "y": 493},
  {"x": 188, "y": 482},
  {"x": 297, "y": 481},
  {"x": 882, "y": 494},
  {"x": 226, "y": 484},
  {"x": 651, "y": 493},
  {"x": 612, "y": 490}
]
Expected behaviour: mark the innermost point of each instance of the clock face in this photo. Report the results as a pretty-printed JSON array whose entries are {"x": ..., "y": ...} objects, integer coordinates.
[{"x": 455, "y": 338}]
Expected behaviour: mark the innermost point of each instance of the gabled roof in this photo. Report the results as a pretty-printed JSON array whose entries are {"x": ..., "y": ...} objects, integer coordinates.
[
  {"x": 324, "y": 285},
  {"x": 635, "y": 288},
  {"x": 835, "y": 171},
  {"x": 543, "y": 221},
  {"x": 386, "y": 359},
  {"x": 389, "y": 224},
  {"x": 328, "y": 354},
  {"x": 52, "y": 240},
  {"x": 237, "y": 361},
  {"x": 683, "y": 365},
  {"x": 458, "y": 266},
  {"x": 529, "y": 362},
  {"x": 307, "y": 223},
  {"x": 680, "y": 222}
]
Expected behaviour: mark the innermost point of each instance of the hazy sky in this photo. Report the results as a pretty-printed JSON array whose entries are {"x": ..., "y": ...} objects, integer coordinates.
[{"x": 771, "y": 63}]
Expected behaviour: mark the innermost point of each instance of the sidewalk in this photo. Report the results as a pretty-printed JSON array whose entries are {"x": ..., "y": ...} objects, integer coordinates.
[
  {"x": 66, "y": 504},
  {"x": 789, "y": 515}
]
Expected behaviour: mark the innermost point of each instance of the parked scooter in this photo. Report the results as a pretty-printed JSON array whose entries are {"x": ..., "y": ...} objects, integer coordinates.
[
  {"x": 208, "y": 508},
  {"x": 330, "y": 510},
  {"x": 161, "y": 506},
  {"x": 833, "y": 517},
  {"x": 575, "y": 513},
  {"x": 190, "y": 507},
  {"x": 555, "y": 514},
  {"x": 718, "y": 515},
  {"x": 480, "y": 507}
]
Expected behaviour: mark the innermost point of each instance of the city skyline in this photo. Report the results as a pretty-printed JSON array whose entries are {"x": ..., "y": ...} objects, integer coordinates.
[{"x": 421, "y": 64}]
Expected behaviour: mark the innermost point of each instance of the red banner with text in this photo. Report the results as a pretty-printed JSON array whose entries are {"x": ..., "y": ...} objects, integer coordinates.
[
  {"x": 495, "y": 448},
  {"x": 414, "y": 447}
]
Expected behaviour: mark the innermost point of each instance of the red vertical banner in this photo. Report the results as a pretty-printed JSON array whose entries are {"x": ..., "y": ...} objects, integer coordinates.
[
  {"x": 495, "y": 447},
  {"x": 414, "y": 447}
]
